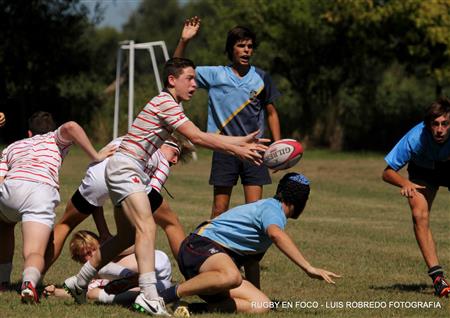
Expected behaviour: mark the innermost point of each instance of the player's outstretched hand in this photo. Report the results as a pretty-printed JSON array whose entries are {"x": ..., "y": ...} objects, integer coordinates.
[
  {"x": 410, "y": 189},
  {"x": 105, "y": 152},
  {"x": 319, "y": 273},
  {"x": 190, "y": 28},
  {"x": 2, "y": 119}
]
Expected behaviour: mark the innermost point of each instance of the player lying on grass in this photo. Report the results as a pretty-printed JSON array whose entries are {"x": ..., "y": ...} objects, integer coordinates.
[
  {"x": 426, "y": 150},
  {"x": 92, "y": 194},
  {"x": 211, "y": 256},
  {"x": 84, "y": 243},
  {"x": 29, "y": 184},
  {"x": 126, "y": 180}
]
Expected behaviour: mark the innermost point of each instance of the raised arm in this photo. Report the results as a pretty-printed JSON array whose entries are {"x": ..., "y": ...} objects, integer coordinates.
[
  {"x": 190, "y": 29},
  {"x": 245, "y": 148},
  {"x": 73, "y": 132},
  {"x": 408, "y": 188},
  {"x": 288, "y": 247}
]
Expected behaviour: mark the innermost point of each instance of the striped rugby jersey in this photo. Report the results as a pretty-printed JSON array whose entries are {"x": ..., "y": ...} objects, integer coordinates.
[
  {"x": 35, "y": 159},
  {"x": 157, "y": 167},
  {"x": 152, "y": 126}
]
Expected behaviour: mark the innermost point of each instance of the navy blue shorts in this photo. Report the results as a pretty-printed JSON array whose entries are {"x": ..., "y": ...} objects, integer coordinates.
[
  {"x": 196, "y": 249},
  {"x": 431, "y": 178},
  {"x": 226, "y": 169}
]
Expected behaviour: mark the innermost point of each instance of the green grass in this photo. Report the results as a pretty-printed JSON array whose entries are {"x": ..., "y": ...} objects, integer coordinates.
[{"x": 354, "y": 224}]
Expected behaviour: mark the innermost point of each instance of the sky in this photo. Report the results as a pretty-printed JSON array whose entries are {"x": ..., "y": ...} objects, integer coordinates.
[{"x": 116, "y": 13}]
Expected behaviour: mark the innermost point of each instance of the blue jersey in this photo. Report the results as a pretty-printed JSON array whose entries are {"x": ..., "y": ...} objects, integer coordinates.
[
  {"x": 236, "y": 105},
  {"x": 418, "y": 146},
  {"x": 243, "y": 229}
]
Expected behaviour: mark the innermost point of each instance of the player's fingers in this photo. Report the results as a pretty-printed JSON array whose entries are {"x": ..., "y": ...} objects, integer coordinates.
[{"x": 263, "y": 140}]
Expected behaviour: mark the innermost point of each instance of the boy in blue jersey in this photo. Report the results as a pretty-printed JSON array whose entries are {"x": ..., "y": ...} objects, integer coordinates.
[
  {"x": 239, "y": 98},
  {"x": 210, "y": 257},
  {"x": 426, "y": 150}
]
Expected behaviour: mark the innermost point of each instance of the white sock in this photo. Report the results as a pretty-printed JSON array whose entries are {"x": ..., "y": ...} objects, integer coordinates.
[
  {"x": 125, "y": 298},
  {"x": 85, "y": 275},
  {"x": 114, "y": 270},
  {"x": 147, "y": 285},
  {"x": 32, "y": 275},
  {"x": 5, "y": 272}
]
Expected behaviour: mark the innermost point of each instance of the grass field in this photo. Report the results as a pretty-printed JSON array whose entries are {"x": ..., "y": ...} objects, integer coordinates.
[{"x": 354, "y": 224}]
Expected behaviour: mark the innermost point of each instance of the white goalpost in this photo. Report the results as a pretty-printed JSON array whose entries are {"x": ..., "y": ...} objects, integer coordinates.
[{"x": 131, "y": 47}]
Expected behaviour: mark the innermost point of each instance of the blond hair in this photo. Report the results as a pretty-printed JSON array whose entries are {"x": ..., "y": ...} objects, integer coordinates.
[
  {"x": 81, "y": 242},
  {"x": 186, "y": 147}
]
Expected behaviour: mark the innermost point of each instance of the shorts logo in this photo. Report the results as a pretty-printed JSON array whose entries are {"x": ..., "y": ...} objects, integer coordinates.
[
  {"x": 136, "y": 180},
  {"x": 213, "y": 250}
]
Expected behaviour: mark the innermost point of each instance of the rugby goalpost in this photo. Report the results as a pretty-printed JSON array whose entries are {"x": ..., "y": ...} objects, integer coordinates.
[{"x": 130, "y": 46}]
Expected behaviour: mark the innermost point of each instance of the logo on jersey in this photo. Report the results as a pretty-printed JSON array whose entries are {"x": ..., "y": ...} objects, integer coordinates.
[
  {"x": 253, "y": 95},
  {"x": 135, "y": 180}
]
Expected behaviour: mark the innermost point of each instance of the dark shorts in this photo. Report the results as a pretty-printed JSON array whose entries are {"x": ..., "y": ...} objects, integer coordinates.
[
  {"x": 194, "y": 251},
  {"x": 226, "y": 169},
  {"x": 84, "y": 207},
  {"x": 431, "y": 178},
  {"x": 81, "y": 204}
]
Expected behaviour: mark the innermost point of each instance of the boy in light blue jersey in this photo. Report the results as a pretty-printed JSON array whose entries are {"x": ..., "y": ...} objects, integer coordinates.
[
  {"x": 210, "y": 257},
  {"x": 239, "y": 98},
  {"x": 426, "y": 150}
]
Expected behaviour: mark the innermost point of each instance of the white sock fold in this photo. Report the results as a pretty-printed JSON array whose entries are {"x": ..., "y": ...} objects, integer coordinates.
[
  {"x": 85, "y": 275},
  {"x": 147, "y": 284},
  {"x": 31, "y": 274}
]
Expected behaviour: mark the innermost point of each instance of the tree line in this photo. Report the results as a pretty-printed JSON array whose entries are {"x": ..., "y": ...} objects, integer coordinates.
[{"x": 354, "y": 74}]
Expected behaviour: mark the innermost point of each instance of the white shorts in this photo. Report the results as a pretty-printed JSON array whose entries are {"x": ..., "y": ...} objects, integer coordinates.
[
  {"x": 124, "y": 176},
  {"x": 93, "y": 186},
  {"x": 28, "y": 201}
]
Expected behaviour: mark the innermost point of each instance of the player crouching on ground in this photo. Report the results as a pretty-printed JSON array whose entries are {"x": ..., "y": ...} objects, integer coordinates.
[
  {"x": 426, "y": 150},
  {"x": 29, "y": 193},
  {"x": 82, "y": 246},
  {"x": 210, "y": 257}
]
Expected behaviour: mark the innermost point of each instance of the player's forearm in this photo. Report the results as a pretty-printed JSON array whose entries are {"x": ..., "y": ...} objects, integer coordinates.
[
  {"x": 73, "y": 132},
  {"x": 181, "y": 47},
  {"x": 393, "y": 177},
  {"x": 288, "y": 247}
]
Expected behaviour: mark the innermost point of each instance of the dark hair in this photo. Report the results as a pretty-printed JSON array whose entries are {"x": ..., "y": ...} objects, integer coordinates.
[
  {"x": 236, "y": 34},
  {"x": 294, "y": 189},
  {"x": 41, "y": 123},
  {"x": 175, "y": 67},
  {"x": 438, "y": 108}
]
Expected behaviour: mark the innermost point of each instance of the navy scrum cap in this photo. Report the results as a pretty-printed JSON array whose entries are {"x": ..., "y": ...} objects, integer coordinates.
[{"x": 294, "y": 189}]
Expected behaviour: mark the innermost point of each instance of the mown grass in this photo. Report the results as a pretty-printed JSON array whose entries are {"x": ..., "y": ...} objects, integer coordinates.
[{"x": 354, "y": 224}]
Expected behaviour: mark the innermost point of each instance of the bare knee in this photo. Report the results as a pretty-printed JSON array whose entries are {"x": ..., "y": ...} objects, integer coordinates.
[
  {"x": 420, "y": 217},
  {"x": 229, "y": 279}
]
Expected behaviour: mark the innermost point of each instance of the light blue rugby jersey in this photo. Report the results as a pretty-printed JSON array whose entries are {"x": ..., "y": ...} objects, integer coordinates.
[
  {"x": 418, "y": 146},
  {"x": 243, "y": 229},
  {"x": 236, "y": 105}
]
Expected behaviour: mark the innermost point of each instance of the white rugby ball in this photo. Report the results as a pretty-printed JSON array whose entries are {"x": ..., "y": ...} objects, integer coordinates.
[{"x": 283, "y": 154}]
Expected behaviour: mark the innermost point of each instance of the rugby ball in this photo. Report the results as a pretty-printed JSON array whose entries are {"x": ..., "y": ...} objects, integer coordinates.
[{"x": 283, "y": 154}]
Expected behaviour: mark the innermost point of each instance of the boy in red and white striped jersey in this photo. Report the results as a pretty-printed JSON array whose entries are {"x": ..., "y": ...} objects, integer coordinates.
[
  {"x": 126, "y": 180},
  {"x": 29, "y": 192}
]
